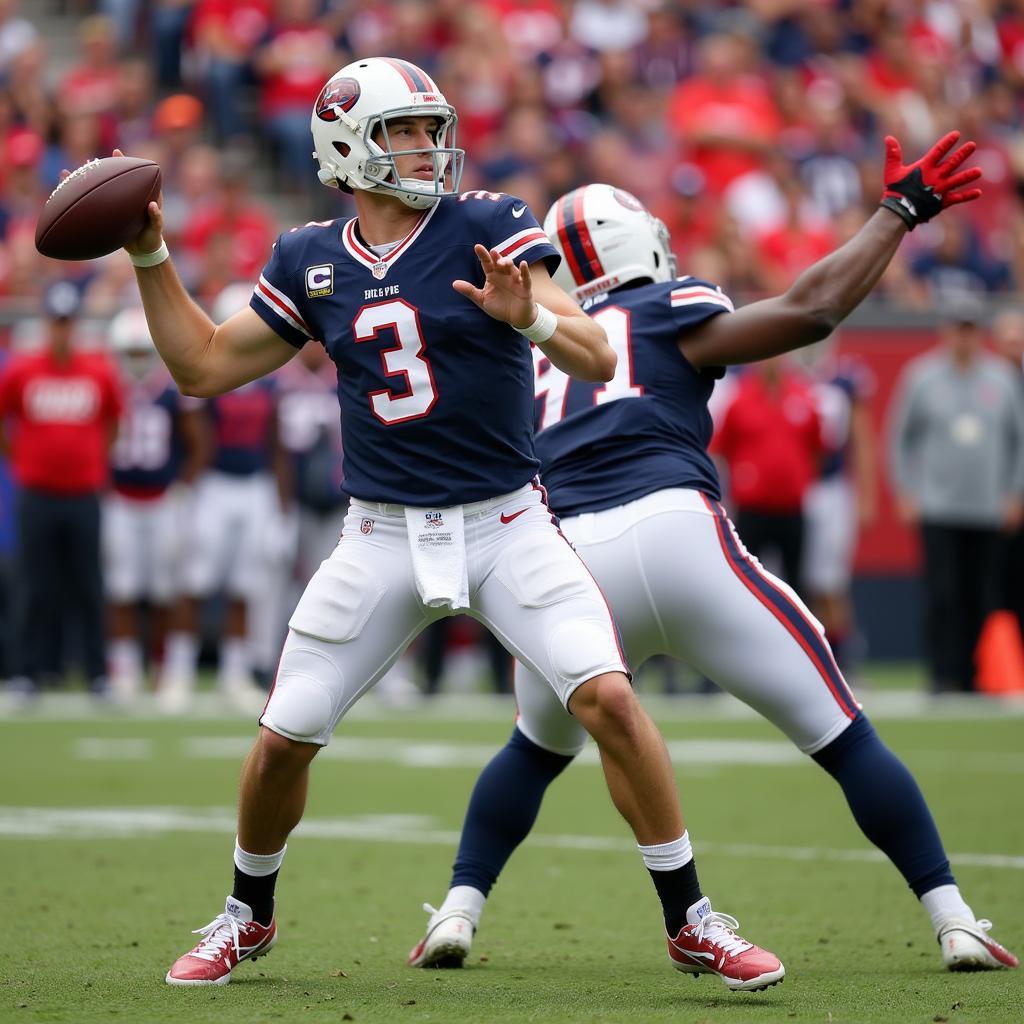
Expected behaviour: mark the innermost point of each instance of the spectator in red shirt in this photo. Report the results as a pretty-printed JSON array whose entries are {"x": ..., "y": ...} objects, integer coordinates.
[
  {"x": 92, "y": 86},
  {"x": 232, "y": 212},
  {"x": 724, "y": 115},
  {"x": 226, "y": 34},
  {"x": 59, "y": 410},
  {"x": 769, "y": 436},
  {"x": 293, "y": 66}
]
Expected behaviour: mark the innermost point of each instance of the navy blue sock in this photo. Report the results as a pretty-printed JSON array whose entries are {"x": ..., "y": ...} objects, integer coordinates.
[
  {"x": 887, "y": 804},
  {"x": 503, "y": 808}
]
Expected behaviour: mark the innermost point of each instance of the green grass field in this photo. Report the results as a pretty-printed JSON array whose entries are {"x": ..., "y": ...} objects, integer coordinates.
[{"x": 115, "y": 840}]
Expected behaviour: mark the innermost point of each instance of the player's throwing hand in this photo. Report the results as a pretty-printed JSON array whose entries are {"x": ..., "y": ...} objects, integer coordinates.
[{"x": 507, "y": 293}]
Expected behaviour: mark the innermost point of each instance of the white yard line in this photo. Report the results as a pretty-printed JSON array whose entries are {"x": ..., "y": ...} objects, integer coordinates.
[
  {"x": 473, "y": 707},
  {"x": 696, "y": 755},
  {"x": 143, "y": 822}
]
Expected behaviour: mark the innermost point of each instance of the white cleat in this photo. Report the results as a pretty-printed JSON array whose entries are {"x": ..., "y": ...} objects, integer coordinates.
[
  {"x": 174, "y": 695},
  {"x": 447, "y": 942},
  {"x": 124, "y": 688},
  {"x": 966, "y": 946},
  {"x": 242, "y": 694}
]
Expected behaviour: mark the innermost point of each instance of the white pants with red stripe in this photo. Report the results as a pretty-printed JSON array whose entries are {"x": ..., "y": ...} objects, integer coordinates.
[
  {"x": 362, "y": 609},
  {"x": 680, "y": 582}
]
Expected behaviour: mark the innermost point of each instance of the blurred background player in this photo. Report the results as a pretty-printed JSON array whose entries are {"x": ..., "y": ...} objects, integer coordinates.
[
  {"x": 59, "y": 409},
  {"x": 236, "y": 513},
  {"x": 957, "y": 460},
  {"x": 162, "y": 439},
  {"x": 769, "y": 437},
  {"x": 843, "y": 498},
  {"x": 627, "y": 469}
]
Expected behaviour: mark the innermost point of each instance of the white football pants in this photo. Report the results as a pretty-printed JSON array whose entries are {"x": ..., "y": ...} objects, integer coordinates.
[
  {"x": 680, "y": 582},
  {"x": 362, "y": 609}
]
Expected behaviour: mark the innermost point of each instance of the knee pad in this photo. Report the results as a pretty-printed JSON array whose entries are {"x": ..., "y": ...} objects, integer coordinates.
[
  {"x": 580, "y": 649},
  {"x": 307, "y": 694}
]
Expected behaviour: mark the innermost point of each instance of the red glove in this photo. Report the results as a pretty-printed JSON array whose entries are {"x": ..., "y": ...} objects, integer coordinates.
[{"x": 918, "y": 192}]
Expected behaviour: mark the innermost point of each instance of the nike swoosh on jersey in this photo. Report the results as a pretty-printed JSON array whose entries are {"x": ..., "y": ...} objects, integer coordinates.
[
  {"x": 515, "y": 515},
  {"x": 518, "y": 211}
]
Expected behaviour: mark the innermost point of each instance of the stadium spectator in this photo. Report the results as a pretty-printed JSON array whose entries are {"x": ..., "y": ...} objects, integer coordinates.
[
  {"x": 59, "y": 409},
  {"x": 724, "y": 115},
  {"x": 298, "y": 55},
  {"x": 957, "y": 463},
  {"x": 17, "y": 34},
  {"x": 956, "y": 263},
  {"x": 247, "y": 226},
  {"x": 169, "y": 24},
  {"x": 92, "y": 85},
  {"x": 769, "y": 437},
  {"x": 225, "y": 34}
]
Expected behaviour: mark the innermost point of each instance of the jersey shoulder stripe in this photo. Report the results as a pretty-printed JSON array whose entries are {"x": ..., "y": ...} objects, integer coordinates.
[
  {"x": 279, "y": 303},
  {"x": 521, "y": 242},
  {"x": 693, "y": 292}
]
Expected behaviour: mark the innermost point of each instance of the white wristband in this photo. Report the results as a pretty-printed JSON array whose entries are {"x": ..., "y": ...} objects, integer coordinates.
[
  {"x": 542, "y": 329},
  {"x": 150, "y": 259}
]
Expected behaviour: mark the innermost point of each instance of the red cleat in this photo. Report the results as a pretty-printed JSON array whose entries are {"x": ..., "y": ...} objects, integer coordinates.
[
  {"x": 708, "y": 944},
  {"x": 227, "y": 940}
]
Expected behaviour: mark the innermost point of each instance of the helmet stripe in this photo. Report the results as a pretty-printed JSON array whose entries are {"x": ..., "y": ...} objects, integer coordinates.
[
  {"x": 593, "y": 266},
  {"x": 562, "y": 224},
  {"x": 416, "y": 79}
]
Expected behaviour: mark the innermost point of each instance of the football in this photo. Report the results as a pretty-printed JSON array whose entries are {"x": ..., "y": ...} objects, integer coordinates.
[{"x": 97, "y": 208}]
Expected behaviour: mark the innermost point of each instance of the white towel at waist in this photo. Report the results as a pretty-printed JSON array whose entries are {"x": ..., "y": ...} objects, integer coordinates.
[{"x": 437, "y": 544}]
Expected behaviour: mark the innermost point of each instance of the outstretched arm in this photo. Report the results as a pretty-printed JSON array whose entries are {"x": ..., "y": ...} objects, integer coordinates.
[
  {"x": 824, "y": 294},
  {"x": 512, "y": 293}
]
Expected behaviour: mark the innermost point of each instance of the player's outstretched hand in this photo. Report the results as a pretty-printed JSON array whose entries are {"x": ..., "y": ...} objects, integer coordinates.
[
  {"x": 507, "y": 293},
  {"x": 918, "y": 191},
  {"x": 151, "y": 237}
]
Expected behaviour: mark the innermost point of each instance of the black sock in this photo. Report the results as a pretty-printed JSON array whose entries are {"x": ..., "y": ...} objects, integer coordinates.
[
  {"x": 258, "y": 893},
  {"x": 678, "y": 890}
]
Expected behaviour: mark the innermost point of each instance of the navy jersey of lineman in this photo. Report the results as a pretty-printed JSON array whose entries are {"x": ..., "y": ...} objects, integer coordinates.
[
  {"x": 602, "y": 445},
  {"x": 242, "y": 421},
  {"x": 436, "y": 396},
  {"x": 146, "y": 457}
]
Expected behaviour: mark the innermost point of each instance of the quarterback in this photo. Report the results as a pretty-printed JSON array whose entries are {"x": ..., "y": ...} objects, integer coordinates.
[{"x": 427, "y": 302}]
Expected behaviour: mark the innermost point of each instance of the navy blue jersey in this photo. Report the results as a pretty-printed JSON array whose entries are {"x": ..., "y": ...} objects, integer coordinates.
[
  {"x": 146, "y": 457},
  {"x": 602, "y": 445},
  {"x": 849, "y": 382},
  {"x": 242, "y": 422},
  {"x": 435, "y": 394}
]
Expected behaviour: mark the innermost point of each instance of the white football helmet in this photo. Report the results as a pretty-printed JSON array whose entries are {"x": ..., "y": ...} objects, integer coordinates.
[
  {"x": 606, "y": 238},
  {"x": 132, "y": 342},
  {"x": 360, "y": 99},
  {"x": 229, "y": 301}
]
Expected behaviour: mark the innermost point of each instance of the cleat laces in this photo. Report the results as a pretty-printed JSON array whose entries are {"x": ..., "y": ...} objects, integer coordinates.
[
  {"x": 720, "y": 930},
  {"x": 220, "y": 933}
]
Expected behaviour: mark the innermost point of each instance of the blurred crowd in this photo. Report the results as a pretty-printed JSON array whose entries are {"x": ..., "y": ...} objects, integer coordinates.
[{"x": 753, "y": 129}]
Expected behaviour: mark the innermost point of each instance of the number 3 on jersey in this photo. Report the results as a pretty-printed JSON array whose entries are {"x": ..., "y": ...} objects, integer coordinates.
[
  {"x": 402, "y": 360},
  {"x": 552, "y": 384}
]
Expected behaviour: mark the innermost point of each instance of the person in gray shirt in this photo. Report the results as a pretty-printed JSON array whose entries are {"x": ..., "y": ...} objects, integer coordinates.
[{"x": 957, "y": 462}]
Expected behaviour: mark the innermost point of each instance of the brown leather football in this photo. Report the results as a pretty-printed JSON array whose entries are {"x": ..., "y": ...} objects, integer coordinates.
[{"x": 97, "y": 208}]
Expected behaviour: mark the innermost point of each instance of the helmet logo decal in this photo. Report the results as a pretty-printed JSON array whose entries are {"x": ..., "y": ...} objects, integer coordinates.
[
  {"x": 337, "y": 95},
  {"x": 628, "y": 200}
]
